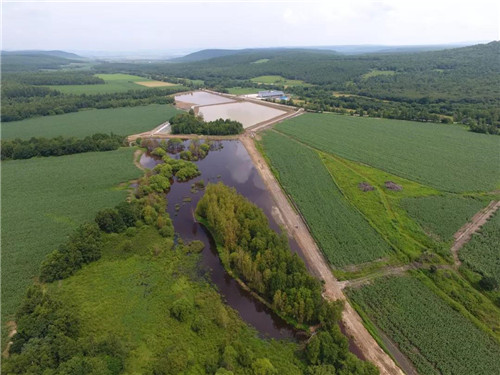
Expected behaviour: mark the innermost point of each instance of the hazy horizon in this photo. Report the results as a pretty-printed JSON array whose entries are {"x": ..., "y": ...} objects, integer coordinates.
[{"x": 183, "y": 27}]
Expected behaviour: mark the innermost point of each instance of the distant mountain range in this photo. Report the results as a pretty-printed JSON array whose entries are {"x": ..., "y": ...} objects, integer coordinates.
[{"x": 55, "y": 53}]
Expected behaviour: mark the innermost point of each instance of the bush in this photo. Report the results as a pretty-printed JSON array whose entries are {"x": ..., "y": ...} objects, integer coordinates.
[
  {"x": 84, "y": 246},
  {"x": 181, "y": 309},
  {"x": 488, "y": 283},
  {"x": 110, "y": 221}
]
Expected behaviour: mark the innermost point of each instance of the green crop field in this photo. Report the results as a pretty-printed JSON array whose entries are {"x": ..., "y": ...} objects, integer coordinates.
[
  {"x": 481, "y": 254},
  {"x": 128, "y": 295},
  {"x": 278, "y": 80},
  {"x": 446, "y": 157},
  {"x": 43, "y": 200},
  {"x": 341, "y": 231},
  {"x": 434, "y": 336},
  {"x": 122, "y": 121},
  {"x": 113, "y": 83},
  {"x": 441, "y": 216}
]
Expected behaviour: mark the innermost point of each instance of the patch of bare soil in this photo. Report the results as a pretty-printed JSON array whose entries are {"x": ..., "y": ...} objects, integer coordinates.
[
  {"x": 365, "y": 186},
  {"x": 464, "y": 234},
  {"x": 393, "y": 186}
]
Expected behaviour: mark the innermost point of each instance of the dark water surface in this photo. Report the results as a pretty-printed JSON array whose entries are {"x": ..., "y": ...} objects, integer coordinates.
[{"x": 231, "y": 164}]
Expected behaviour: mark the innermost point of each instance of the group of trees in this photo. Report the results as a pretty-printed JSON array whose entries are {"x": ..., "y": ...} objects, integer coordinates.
[
  {"x": 48, "y": 341},
  {"x": 55, "y": 78},
  {"x": 40, "y": 101},
  {"x": 26, "y": 149},
  {"x": 263, "y": 260},
  {"x": 188, "y": 123}
]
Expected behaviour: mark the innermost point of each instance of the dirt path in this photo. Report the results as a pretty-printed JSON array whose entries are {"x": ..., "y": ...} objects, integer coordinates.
[
  {"x": 464, "y": 234},
  {"x": 12, "y": 327},
  {"x": 333, "y": 290},
  {"x": 137, "y": 159}
]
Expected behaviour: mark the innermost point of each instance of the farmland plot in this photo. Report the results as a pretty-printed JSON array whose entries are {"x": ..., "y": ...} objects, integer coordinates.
[
  {"x": 482, "y": 253},
  {"x": 446, "y": 157},
  {"x": 342, "y": 233},
  {"x": 434, "y": 336}
]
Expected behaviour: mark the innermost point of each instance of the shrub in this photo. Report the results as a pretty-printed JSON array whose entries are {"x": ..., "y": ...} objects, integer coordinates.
[{"x": 110, "y": 221}]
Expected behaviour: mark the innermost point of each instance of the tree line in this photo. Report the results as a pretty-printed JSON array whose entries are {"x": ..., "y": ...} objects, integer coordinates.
[
  {"x": 20, "y": 101},
  {"x": 58, "y": 146},
  {"x": 188, "y": 123}
]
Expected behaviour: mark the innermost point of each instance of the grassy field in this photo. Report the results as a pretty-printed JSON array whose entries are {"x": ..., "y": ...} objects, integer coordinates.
[
  {"x": 481, "y": 254},
  {"x": 128, "y": 295},
  {"x": 242, "y": 90},
  {"x": 381, "y": 206},
  {"x": 113, "y": 83},
  {"x": 122, "y": 121},
  {"x": 43, "y": 200},
  {"x": 342, "y": 233},
  {"x": 278, "y": 80},
  {"x": 376, "y": 72},
  {"x": 434, "y": 336},
  {"x": 446, "y": 157},
  {"x": 441, "y": 216}
]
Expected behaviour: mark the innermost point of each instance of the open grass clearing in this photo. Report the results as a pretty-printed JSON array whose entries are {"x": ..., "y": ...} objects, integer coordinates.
[
  {"x": 279, "y": 81},
  {"x": 381, "y": 206},
  {"x": 122, "y": 121},
  {"x": 376, "y": 73},
  {"x": 446, "y": 157},
  {"x": 242, "y": 90},
  {"x": 43, "y": 200},
  {"x": 128, "y": 295},
  {"x": 342, "y": 233}
]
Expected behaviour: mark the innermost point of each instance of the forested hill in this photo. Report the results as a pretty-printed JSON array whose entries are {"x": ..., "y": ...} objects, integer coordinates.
[
  {"x": 22, "y": 61},
  {"x": 264, "y": 53},
  {"x": 56, "y": 53}
]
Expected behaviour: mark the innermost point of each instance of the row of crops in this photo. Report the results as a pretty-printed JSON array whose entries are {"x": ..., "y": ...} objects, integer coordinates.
[
  {"x": 442, "y": 156},
  {"x": 441, "y": 216},
  {"x": 482, "y": 253},
  {"x": 434, "y": 336},
  {"x": 341, "y": 231}
]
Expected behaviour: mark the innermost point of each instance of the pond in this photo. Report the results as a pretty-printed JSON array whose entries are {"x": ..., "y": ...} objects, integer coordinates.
[
  {"x": 247, "y": 113},
  {"x": 202, "y": 98},
  {"x": 231, "y": 164}
]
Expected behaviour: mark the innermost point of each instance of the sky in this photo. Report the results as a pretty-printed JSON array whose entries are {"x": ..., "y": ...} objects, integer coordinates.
[{"x": 192, "y": 25}]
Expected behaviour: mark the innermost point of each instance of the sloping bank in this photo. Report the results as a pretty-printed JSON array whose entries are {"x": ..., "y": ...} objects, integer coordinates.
[{"x": 260, "y": 258}]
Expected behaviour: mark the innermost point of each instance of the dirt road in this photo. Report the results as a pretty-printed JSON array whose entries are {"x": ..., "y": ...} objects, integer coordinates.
[
  {"x": 465, "y": 233},
  {"x": 298, "y": 229}
]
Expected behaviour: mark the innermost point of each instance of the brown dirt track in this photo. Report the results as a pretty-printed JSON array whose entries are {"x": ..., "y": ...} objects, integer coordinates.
[
  {"x": 464, "y": 234},
  {"x": 297, "y": 228}
]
